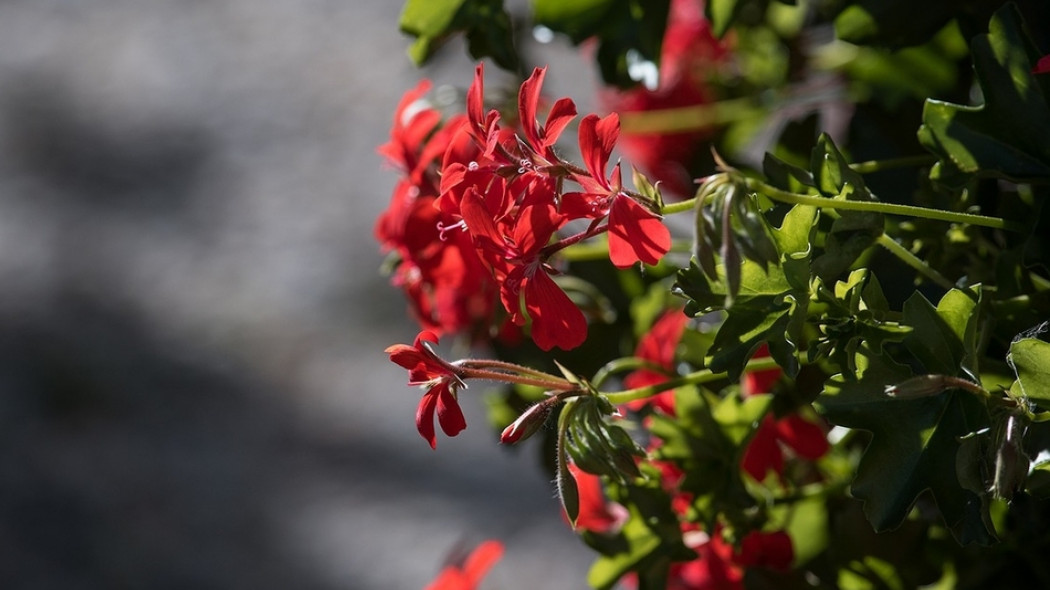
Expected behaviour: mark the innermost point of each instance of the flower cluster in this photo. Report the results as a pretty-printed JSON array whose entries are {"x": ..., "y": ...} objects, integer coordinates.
[{"x": 477, "y": 215}]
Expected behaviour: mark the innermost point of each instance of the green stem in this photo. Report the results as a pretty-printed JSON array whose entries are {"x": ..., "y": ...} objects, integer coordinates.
[
  {"x": 694, "y": 378},
  {"x": 679, "y": 207},
  {"x": 548, "y": 382},
  {"x": 914, "y": 261},
  {"x": 881, "y": 165},
  {"x": 877, "y": 207}
]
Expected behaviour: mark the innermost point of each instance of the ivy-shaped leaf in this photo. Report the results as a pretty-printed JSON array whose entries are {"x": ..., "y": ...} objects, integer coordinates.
[
  {"x": 944, "y": 339},
  {"x": 1006, "y": 137},
  {"x": 485, "y": 23},
  {"x": 912, "y": 441},
  {"x": 852, "y": 232}
]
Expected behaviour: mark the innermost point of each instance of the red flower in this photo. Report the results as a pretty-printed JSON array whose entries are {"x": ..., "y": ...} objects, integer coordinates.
[
  {"x": 1042, "y": 66},
  {"x": 688, "y": 53},
  {"x": 658, "y": 347},
  {"x": 441, "y": 380},
  {"x": 541, "y": 138},
  {"x": 636, "y": 234},
  {"x": 596, "y": 513},
  {"x": 719, "y": 567},
  {"x": 765, "y": 452},
  {"x": 466, "y": 574},
  {"x": 513, "y": 248}
]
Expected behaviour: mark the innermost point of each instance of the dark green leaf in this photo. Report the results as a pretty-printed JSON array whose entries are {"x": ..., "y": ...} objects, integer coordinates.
[
  {"x": 911, "y": 440},
  {"x": 485, "y": 23},
  {"x": 1005, "y": 137},
  {"x": 944, "y": 338}
]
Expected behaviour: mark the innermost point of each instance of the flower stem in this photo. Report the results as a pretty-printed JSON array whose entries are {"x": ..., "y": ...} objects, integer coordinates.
[
  {"x": 914, "y": 261},
  {"x": 877, "y": 207},
  {"x": 511, "y": 373},
  {"x": 694, "y": 378},
  {"x": 881, "y": 165}
]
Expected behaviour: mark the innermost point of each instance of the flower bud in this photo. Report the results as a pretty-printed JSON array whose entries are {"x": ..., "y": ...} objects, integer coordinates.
[
  {"x": 921, "y": 386},
  {"x": 527, "y": 423}
]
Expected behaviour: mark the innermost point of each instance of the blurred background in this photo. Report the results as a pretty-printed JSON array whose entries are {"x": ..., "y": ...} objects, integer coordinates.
[{"x": 193, "y": 390}]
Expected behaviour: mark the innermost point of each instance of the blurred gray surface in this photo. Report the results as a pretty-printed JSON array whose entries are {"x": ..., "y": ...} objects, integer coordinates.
[{"x": 193, "y": 392}]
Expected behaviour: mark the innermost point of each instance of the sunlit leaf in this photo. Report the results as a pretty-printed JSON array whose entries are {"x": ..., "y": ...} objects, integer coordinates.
[{"x": 1006, "y": 136}]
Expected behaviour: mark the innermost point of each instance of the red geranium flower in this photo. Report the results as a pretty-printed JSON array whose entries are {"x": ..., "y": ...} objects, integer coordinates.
[
  {"x": 596, "y": 513},
  {"x": 658, "y": 347},
  {"x": 636, "y": 234},
  {"x": 765, "y": 452},
  {"x": 466, "y": 574},
  {"x": 689, "y": 52},
  {"x": 441, "y": 380}
]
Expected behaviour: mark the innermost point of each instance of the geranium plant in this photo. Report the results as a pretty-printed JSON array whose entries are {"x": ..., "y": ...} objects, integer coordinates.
[{"x": 798, "y": 337}]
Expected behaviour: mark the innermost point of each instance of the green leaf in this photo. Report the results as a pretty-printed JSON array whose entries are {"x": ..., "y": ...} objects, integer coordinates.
[
  {"x": 852, "y": 232},
  {"x": 1006, "y": 137},
  {"x": 944, "y": 339},
  {"x": 1030, "y": 359},
  {"x": 485, "y": 23},
  {"x": 912, "y": 446}
]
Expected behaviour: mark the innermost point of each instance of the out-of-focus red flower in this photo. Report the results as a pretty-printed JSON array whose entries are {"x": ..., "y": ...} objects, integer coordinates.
[
  {"x": 447, "y": 286},
  {"x": 719, "y": 567},
  {"x": 636, "y": 234},
  {"x": 658, "y": 347},
  {"x": 1042, "y": 66},
  {"x": 441, "y": 380},
  {"x": 597, "y": 514},
  {"x": 466, "y": 574},
  {"x": 688, "y": 54},
  {"x": 765, "y": 452}
]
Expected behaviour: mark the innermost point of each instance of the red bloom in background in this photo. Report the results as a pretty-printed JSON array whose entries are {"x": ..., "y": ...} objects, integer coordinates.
[
  {"x": 688, "y": 53},
  {"x": 765, "y": 452},
  {"x": 596, "y": 513},
  {"x": 658, "y": 347},
  {"x": 466, "y": 574},
  {"x": 441, "y": 380},
  {"x": 1042, "y": 66},
  {"x": 636, "y": 234},
  {"x": 447, "y": 286}
]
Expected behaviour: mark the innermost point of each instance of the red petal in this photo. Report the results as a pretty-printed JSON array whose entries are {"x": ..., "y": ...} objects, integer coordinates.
[
  {"x": 772, "y": 550},
  {"x": 596, "y": 514},
  {"x": 528, "y": 103},
  {"x": 807, "y": 439},
  {"x": 449, "y": 414},
  {"x": 425, "y": 417},
  {"x": 481, "y": 560},
  {"x": 556, "y": 321},
  {"x": 635, "y": 234},
  {"x": 597, "y": 140},
  {"x": 763, "y": 454},
  {"x": 476, "y": 100},
  {"x": 560, "y": 116}
]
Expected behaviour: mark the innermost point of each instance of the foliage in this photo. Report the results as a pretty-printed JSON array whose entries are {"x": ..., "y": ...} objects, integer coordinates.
[{"x": 839, "y": 376}]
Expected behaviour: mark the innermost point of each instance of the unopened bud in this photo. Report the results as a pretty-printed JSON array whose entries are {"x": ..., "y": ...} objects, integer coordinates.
[
  {"x": 921, "y": 386},
  {"x": 527, "y": 423}
]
